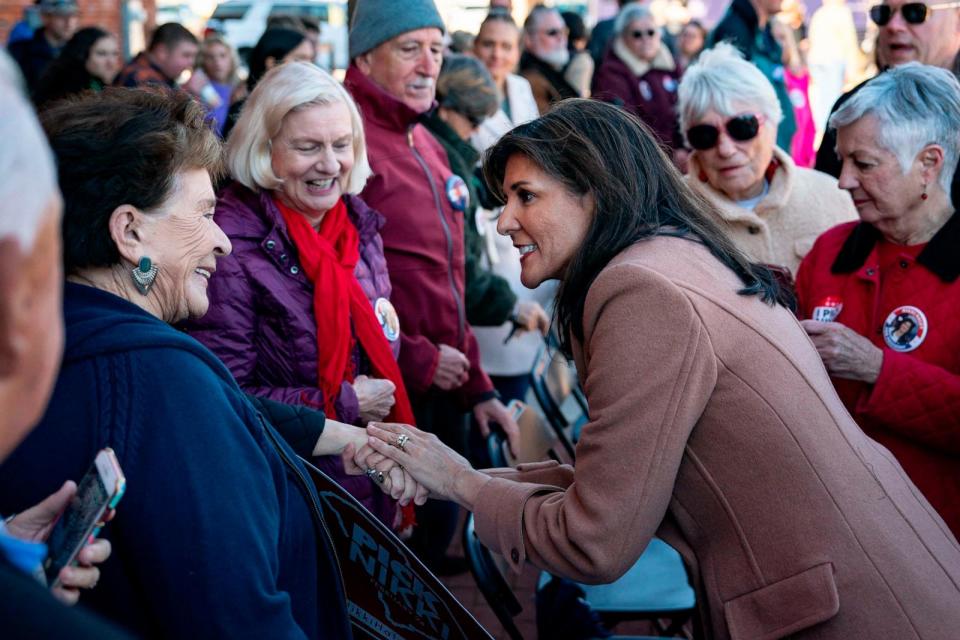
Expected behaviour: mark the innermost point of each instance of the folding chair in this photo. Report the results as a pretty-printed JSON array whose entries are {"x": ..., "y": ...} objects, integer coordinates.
[{"x": 656, "y": 588}]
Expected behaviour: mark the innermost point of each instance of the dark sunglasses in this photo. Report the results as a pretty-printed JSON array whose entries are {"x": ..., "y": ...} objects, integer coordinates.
[
  {"x": 741, "y": 128},
  {"x": 913, "y": 12},
  {"x": 640, "y": 33}
]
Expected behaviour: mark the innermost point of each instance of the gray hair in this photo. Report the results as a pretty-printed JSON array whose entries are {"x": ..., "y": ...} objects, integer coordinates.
[
  {"x": 720, "y": 78},
  {"x": 466, "y": 87},
  {"x": 915, "y": 105},
  {"x": 630, "y": 12},
  {"x": 286, "y": 88},
  {"x": 28, "y": 178},
  {"x": 533, "y": 18}
]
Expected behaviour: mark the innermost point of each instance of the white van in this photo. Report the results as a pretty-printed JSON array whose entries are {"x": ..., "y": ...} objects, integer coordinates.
[{"x": 242, "y": 22}]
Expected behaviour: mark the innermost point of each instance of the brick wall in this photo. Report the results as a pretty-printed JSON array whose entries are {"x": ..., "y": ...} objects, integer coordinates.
[{"x": 101, "y": 13}]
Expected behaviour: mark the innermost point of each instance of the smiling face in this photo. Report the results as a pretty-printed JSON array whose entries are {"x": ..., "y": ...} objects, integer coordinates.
[
  {"x": 546, "y": 222},
  {"x": 883, "y": 194},
  {"x": 184, "y": 242},
  {"x": 407, "y": 67},
  {"x": 104, "y": 59},
  {"x": 935, "y": 41},
  {"x": 736, "y": 167},
  {"x": 644, "y": 46},
  {"x": 498, "y": 48},
  {"x": 313, "y": 155}
]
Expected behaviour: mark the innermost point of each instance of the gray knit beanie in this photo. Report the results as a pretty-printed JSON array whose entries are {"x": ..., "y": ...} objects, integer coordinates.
[{"x": 376, "y": 21}]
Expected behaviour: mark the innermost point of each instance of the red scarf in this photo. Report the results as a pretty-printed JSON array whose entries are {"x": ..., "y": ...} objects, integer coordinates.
[{"x": 328, "y": 258}]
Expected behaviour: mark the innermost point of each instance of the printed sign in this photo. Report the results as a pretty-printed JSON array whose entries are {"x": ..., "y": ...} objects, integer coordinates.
[
  {"x": 391, "y": 595},
  {"x": 828, "y": 309}
]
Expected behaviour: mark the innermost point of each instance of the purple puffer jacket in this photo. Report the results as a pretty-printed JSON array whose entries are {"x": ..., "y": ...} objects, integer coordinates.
[{"x": 261, "y": 320}]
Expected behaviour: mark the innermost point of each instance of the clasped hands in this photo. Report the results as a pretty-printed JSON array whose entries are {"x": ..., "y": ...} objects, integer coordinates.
[{"x": 405, "y": 454}]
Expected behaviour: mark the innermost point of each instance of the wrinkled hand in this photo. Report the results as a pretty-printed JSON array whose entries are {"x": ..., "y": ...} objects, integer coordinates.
[
  {"x": 845, "y": 353},
  {"x": 36, "y": 523},
  {"x": 493, "y": 411},
  {"x": 532, "y": 317},
  {"x": 440, "y": 470},
  {"x": 375, "y": 397},
  {"x": 397, "y": 483},
  {"x": 453, "y": 369}
]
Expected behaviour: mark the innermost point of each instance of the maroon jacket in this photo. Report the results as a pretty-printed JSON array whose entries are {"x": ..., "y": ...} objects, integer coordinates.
[
  {"x": 422, "y": 239},
  {"x": 651, "y": 97}
]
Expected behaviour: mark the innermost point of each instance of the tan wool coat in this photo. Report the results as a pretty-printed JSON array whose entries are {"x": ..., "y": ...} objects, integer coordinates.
[
  {"x": 714, "y": 425},
  {"x": 801, "y": 204}
]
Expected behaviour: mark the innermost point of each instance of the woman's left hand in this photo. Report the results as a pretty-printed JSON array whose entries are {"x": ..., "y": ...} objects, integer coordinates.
[
  {"x": 36, "y": 523},
  {"x": 845, "y": 353},
  {"x": 437, "y": 468}
]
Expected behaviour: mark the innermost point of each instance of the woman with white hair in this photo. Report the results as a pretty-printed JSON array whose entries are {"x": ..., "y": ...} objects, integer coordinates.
[
  {"x": 640, "y": 74},
  {"x": 300, "y": 312},
  {"x": 879, "y": 296},
  {"x": 772, "y": 209}
]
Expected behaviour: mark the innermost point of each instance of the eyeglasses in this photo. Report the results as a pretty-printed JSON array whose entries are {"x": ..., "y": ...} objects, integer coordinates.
[
  {"x": 913, "y": 12},
  {"x": 640, "y": 33},
  {"x": 741, "y": 128}
]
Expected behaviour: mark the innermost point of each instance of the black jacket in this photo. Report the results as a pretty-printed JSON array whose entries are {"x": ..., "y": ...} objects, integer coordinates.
[{"x": 33, "y": 56}]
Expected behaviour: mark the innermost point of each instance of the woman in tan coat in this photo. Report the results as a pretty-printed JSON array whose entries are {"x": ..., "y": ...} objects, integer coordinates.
[
  {"x": 771, "y": 208},
  {"x": 713, "y": 423}
]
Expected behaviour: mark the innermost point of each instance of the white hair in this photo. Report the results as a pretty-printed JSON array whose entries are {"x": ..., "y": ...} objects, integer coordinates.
[
  {"x": 630, "y": 12},
  {"x": 28, "y": 176},
  {"x": 915, "y": 105},
  {"x": 721, "y": 79},
  {"x": 286, "y": 88}
]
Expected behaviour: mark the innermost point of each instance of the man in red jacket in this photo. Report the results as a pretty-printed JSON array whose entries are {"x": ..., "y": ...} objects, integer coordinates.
[{"x": 396, "y": 52}]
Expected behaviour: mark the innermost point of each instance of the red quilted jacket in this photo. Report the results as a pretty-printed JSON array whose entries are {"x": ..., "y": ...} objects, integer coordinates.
[
  {"x": 422, "y": 238},
  {"x": 914, "y": 407}
]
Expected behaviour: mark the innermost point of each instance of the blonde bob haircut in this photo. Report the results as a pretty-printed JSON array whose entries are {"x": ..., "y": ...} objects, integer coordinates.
[{"x": 286, "y": 88}]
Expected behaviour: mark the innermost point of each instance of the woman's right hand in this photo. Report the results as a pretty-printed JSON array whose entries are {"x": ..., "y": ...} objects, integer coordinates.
[
  {"x": 374, "y": 396},
  {"x": 438, "y": 469}
]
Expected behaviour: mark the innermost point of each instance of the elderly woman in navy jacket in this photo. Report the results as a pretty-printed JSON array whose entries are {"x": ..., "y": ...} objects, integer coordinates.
[
  {"x": 219, "y": 533},
  {"x": 639, "y": 74},
  {"x": 301, "y": 312}
]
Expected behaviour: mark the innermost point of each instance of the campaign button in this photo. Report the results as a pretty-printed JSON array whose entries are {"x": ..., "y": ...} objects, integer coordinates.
[{"x": 905, "y": 329}]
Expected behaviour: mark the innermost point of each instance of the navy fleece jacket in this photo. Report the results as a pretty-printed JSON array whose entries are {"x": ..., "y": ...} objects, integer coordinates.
[{"x": 214, "y": 537}]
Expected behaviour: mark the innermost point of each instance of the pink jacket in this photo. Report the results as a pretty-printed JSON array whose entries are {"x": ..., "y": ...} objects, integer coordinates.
[{"x": 714, "y": 425}]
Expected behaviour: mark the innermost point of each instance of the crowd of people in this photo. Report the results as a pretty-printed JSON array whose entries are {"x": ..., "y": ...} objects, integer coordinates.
[{"x": 217, "y": 266}]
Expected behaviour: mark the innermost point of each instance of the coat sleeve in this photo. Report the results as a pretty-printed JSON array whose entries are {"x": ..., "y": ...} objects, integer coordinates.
[
  {"x": 229, "y": 329},
  {"x": 916, "y": 399},
  {"x": 418, "y": 361},
  {"x": 201, "y": 519},
  {"x": 650, "y": 371}
]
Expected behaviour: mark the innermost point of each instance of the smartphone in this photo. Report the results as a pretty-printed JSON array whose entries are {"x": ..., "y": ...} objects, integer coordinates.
[{"x": 99, "y": 491}]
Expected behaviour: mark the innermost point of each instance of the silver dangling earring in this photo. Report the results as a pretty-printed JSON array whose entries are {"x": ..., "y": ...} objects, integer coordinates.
[{"x": 144, "y": 275}]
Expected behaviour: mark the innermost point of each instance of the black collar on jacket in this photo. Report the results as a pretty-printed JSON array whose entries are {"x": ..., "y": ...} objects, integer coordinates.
[
  {"x": 554, "y": 77},
  {"x": 941, "y": 255}
]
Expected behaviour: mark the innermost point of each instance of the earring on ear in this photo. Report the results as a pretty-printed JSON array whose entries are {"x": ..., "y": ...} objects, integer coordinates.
[
  {"x": 923, "y": 196},
  {"x": 144, "y": 275}
]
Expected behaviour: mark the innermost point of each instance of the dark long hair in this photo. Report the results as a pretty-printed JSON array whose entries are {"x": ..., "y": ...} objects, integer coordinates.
[
  {"x": 68, "y": 75},
  {"x": 275, "y": 43},
  {"x": 596, "y": 148}
]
